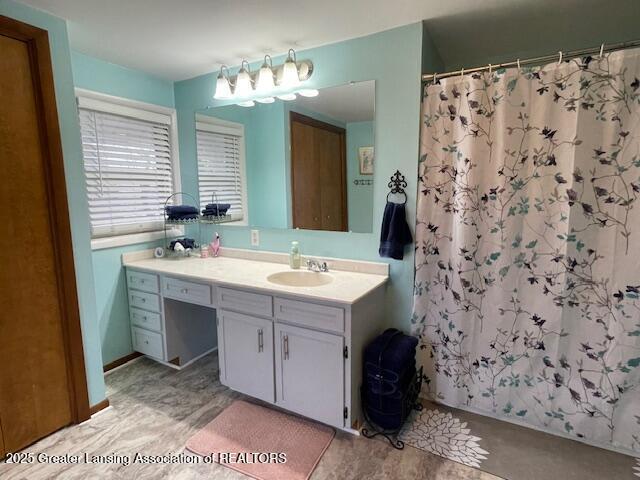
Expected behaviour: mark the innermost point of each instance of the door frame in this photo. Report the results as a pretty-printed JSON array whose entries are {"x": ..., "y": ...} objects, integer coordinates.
[
  {"x": 312, "y": 122},
  {"x": 37, "y": 41}
]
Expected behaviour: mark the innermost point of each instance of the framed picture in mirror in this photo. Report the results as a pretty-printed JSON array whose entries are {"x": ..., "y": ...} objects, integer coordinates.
[{"x": 365, "y": 157}]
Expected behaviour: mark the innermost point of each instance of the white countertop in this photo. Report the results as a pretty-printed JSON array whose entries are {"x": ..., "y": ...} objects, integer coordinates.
[{"x": 347, "y": 286}]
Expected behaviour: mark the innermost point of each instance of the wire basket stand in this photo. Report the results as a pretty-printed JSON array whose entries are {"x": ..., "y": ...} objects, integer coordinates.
[{"x": 173, "y": 222}]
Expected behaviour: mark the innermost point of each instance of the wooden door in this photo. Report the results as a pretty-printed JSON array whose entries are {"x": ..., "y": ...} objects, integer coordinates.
[
  {"x": 246, "y": 354},
  {"x": 42, "y": 377},
  {"x": 318, "y": 174},
  {"x": 310, "y": 373}
]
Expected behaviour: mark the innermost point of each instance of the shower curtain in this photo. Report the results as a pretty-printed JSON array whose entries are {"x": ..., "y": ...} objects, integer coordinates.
[{"x": 527, "y": 270}]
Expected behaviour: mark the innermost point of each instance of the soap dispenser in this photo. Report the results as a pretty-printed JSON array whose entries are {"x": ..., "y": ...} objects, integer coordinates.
[{"x": 294, "y": 256}]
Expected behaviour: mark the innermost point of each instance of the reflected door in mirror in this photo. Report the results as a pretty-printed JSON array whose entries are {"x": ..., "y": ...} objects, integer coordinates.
[{"x": 318, "y": 174}]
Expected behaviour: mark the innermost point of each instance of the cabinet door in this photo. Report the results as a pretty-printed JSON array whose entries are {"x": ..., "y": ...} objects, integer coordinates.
[
  {"x": 310, "y": 373},
  {"x": 245, "y": 349}
]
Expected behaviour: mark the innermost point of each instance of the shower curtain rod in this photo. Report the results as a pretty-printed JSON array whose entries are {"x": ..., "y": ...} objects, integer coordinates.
[{"x": 427, "y": 77}]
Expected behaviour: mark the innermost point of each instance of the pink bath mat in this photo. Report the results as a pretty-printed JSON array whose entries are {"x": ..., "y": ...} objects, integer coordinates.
[{"x": 277, "y": 446}]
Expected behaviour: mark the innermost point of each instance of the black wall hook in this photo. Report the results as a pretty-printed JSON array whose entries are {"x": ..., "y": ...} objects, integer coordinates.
[{"x": 397, "y": 185}]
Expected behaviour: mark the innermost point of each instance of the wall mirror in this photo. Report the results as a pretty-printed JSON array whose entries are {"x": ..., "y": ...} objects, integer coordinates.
[{"x": 304, "y": 163}]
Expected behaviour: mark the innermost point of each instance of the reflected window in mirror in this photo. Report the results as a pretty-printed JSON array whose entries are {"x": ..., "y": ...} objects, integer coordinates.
[
  {"x": 315, "y": 172},
  {"x": 220, "y": 149}
]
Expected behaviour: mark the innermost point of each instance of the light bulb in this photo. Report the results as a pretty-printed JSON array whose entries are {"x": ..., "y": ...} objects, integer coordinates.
[
  {"x": 248, "y": 103},
  {"x": 265, "y": 100},
  {"x": 287, "y": 96},
  {"x": 290, "y": 78},
  {"x": 308, "y": 92},
  {"x": 223, "y": 87},
  {"x": 265, "y": 82},
  {"x": 243, "y": 82}
]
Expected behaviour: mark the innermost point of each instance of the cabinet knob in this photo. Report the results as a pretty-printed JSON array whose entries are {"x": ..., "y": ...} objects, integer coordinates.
[{"x": 184, "y": 290}]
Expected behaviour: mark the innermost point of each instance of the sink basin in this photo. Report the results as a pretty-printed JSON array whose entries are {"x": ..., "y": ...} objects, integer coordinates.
[{"x": 300, "y": 278}]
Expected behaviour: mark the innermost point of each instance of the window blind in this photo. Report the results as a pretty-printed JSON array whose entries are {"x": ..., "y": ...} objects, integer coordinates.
[
  {"x": 220, "y": 170},
  {"x": 128, "y": 168}
]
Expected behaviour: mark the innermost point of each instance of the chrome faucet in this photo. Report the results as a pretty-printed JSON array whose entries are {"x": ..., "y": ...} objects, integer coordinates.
[{"x": 317, "y": 266}]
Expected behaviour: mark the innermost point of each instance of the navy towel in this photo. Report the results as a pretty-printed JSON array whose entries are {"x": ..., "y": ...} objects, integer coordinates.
[
  {"x": 177, "y": 210},
  {"x": 395, "y": 232},
  {"x": 216, "y": 209}
]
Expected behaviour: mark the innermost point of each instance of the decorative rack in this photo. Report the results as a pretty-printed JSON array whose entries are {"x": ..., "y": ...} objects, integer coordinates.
[
  {"x": 171, "y": 222},
  {"x": 397, "y": 184}
]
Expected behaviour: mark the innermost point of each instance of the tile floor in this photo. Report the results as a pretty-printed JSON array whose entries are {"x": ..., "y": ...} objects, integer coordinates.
[{"x": 155, "y": 409}]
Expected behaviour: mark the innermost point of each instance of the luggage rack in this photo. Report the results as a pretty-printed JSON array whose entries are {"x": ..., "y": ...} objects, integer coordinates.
[{"x": 409, "y": 402}]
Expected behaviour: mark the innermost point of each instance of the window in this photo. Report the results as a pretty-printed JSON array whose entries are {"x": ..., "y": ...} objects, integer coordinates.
[
  {"x": 129, "y": 163},
  {"x": 221, "y": 169}
]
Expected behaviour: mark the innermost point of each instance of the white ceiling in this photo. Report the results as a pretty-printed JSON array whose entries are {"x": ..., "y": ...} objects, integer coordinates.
[
  {"x": 182, "y": 39},
  {"x": 348, "y": 103},
  {"x": 178, "y": 39}
]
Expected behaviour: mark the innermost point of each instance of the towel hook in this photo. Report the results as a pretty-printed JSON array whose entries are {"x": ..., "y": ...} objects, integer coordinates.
[{"x": 397, "y": 184}]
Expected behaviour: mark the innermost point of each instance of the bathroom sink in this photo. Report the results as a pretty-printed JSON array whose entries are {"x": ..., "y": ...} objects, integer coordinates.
[{"x": 300, "y": 278}]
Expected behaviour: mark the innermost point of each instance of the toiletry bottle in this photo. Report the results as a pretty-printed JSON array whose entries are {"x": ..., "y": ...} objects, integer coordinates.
[
  {"x": 294, "y": 256},
  {"x": 215, "y": 246}
]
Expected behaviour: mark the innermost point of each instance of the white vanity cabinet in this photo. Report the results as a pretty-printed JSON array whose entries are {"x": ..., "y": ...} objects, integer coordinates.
[
  {"x": 172, "y": 320},
  {"x": 300, "y": 352},
  {"x": 310, "y": 369},
  {"x": 245, "y": 349}
]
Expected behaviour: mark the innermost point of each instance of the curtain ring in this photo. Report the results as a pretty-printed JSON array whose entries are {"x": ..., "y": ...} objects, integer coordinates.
[
  {"x": 559, "y": 57},
  {"x": 490, "y": 67},
  {"x": 601, "y": 50},
  {"x": 518, "y": 63},
  {"x": 461, "y": 72},
  {"x": 435, "y": 78}
]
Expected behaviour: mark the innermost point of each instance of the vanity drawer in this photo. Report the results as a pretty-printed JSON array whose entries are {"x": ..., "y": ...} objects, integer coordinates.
[
  {"x": 149, "y": 343},
  {"x": 146, "y": 301},
  {"x": 245, "y": 302},
  {"x": 187, "y": 291},
  {"x": 149, "y": 320},
  {"x": 305, "y": 314},
  {"x": 146, "y": 282}
]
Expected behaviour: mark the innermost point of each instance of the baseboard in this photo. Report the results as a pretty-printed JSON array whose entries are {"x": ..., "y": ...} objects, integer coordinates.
[
  {"x": 120, "y": 361},
  {"x": 98, "y": 406}
]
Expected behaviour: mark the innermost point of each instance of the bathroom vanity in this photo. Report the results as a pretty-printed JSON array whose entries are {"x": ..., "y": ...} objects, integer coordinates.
[{"x": 290, "y": 338}]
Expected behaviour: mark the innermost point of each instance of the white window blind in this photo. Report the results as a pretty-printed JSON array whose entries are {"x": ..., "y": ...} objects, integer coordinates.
[
  {"x": 128, "y": 167},
  {"x": 220, "y": 169}
]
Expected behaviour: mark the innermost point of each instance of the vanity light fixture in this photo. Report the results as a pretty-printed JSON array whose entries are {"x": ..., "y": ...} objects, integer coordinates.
[
  {"x": 308, "y": 92},
  {"x": 244, "y": 86},
  {"x": 290, "y": 76},
  {"x": 265, "y": 82},
  {"x": 223, "y": 84}
]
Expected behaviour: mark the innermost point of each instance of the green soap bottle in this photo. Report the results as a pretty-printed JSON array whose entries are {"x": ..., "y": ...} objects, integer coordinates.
[{"x": 294, "y": 256}]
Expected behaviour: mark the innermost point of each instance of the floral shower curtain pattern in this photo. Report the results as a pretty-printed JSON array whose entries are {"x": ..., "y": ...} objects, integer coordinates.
[{"x": 527, "y": 268}]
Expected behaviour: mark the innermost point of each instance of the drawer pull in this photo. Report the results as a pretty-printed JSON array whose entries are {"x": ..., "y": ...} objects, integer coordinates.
[
  {"x": 184, "y": 290},
  {"x": 142, "y": 299}
]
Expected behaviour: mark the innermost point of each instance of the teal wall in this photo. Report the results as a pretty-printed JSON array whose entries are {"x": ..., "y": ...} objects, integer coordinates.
[
  {"x": 392, "y": 58},
  {"x": 76, "y": 194},
  {"x": 110, "y": 283},
  {"x": 360, "y": 197}
]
